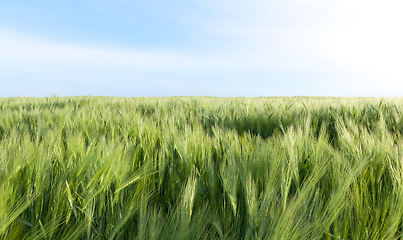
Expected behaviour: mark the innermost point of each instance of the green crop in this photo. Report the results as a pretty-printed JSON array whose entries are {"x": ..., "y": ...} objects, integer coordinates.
[{"x": 201, "y": 168}]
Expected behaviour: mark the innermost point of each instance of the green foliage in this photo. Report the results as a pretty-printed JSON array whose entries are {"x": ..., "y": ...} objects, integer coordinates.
[{"x": 201, "y": 168}]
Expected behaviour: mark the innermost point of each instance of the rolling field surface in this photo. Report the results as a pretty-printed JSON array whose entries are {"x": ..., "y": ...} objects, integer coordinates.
[{"x": 201, "y": 168}]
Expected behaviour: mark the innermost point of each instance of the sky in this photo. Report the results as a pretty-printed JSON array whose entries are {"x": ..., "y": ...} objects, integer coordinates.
[{"x": 252, "y": 48}]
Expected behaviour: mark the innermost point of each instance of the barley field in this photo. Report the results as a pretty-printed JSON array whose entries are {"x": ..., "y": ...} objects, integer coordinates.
[{"x": 201, "y": 168}]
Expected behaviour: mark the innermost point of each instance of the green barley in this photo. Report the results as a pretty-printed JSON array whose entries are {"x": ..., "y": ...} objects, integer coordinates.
[{"x": 201, "y": 168}]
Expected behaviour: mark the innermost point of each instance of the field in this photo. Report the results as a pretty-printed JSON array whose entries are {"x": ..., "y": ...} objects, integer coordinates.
[{"x": 201, "y": 168}]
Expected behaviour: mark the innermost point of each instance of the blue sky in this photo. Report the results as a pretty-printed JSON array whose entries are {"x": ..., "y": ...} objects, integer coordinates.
[{"x": 209, "y": 48}]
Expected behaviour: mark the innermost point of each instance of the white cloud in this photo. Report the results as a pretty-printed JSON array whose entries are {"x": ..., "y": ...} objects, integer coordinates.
[
  {"x": 357, "y": 43},
  {"x": 16, "y": 47},
  {"x": 361, "y": 39},
  {"x": 255, "y": 35},
  {"x": 358, "y": 35},
  {"x": 276, "y": 35},
  {"x": 263, "y": 53},
  {"x": 367, "y": 39}
]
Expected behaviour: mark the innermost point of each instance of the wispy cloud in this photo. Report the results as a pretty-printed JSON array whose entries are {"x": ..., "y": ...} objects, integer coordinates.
[
  {"x": 264, "y": 53},
  {"x": 277, "y": 47},
  {"x": 257, "y": 35},
  {"x": 22, "y": 48}
]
